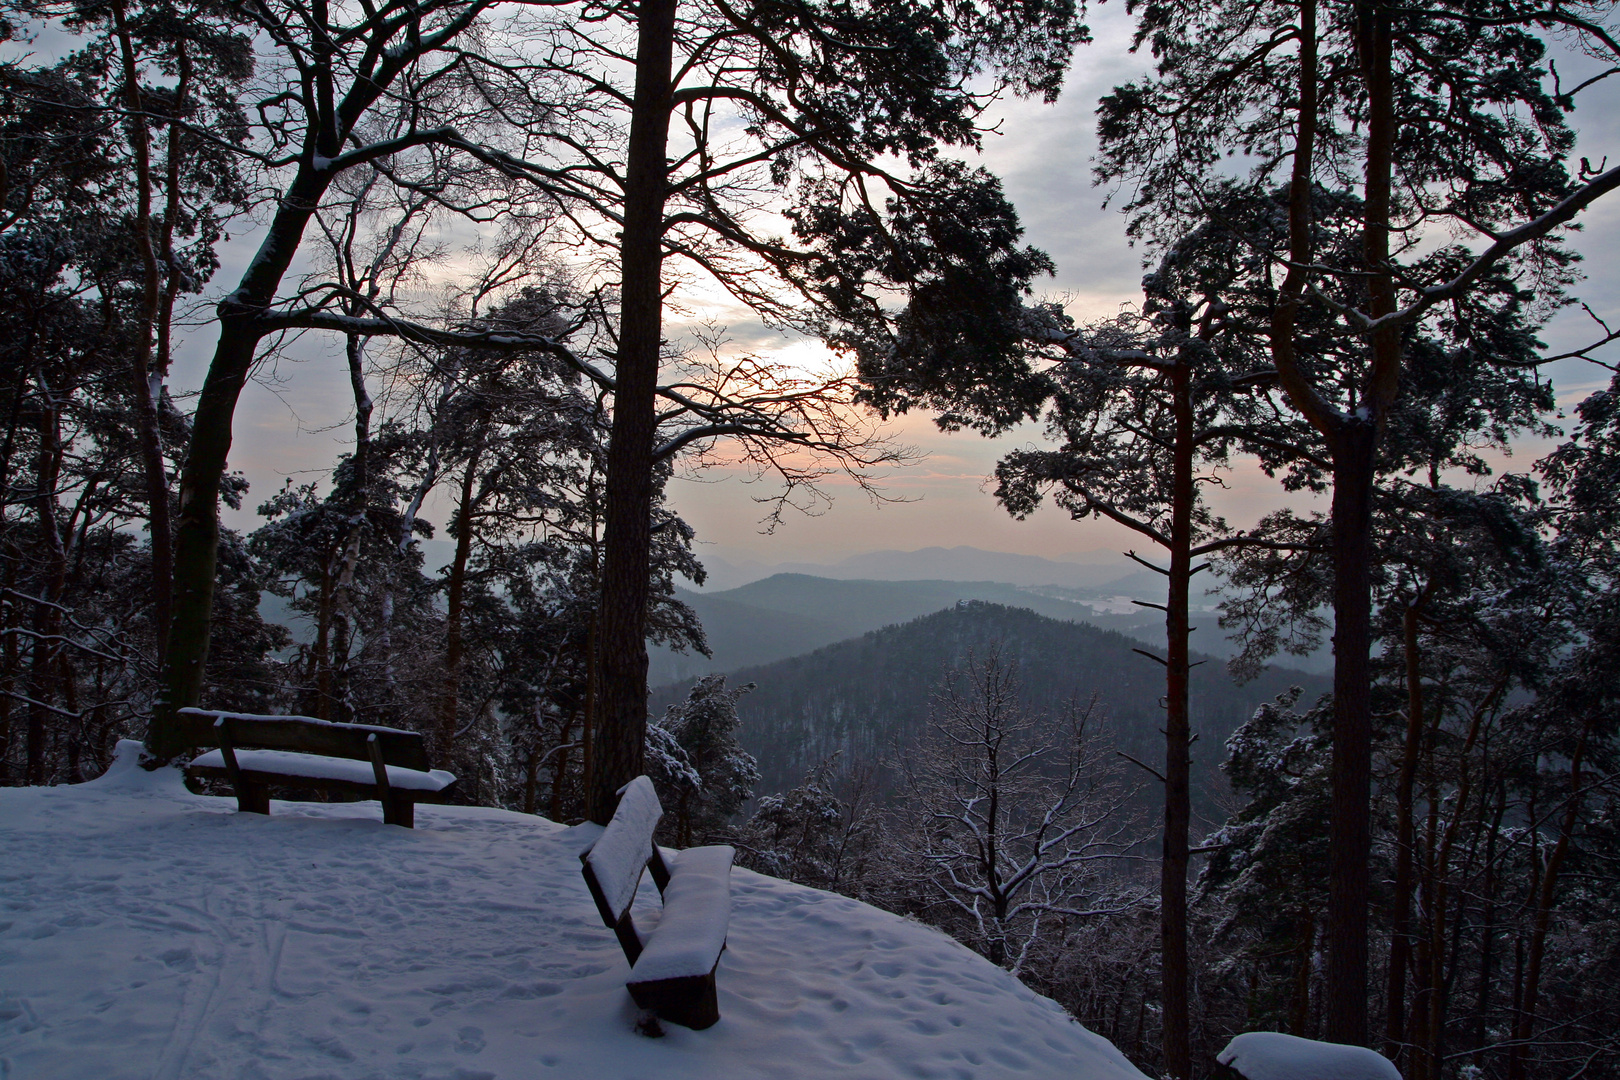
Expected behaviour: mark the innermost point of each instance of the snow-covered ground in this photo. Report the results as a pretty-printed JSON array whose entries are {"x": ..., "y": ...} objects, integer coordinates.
[{"x": 146, "y": 932}]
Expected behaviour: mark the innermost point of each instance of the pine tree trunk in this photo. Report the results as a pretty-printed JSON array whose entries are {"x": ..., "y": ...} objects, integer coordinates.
[
  {"x": 1400, "y": 930},
  {"x": 47, "y": 614},
  {"x": 174, "y": 281},
  {"x": 1300, "y": 1012},
  {"x": 149, "y": 433},
  {"x": 1487, "y": 929},
  {"x": 455, "y": 605},
  {"x": 1525, "y": 1023},
  {"x": 321, "y": 703},
  {"x": 1354, "y": 451},
  {"x": 1423, "y": 954},
  {"x": 1439, "y": 985},
  {"x": 621, "y": 720},
  {"x": 10, "y": 609},
  {"x": 10, "y": 622},
  {"x": 1350, "y": 825},
  {"x": 1178, "y": 741}
]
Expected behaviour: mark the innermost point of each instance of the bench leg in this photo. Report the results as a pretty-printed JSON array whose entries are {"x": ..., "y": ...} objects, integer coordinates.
[
  {"x": 690, "y": 1002},
  {"x": 399, "y": 809},
  {"x": 252, "y": 798}
]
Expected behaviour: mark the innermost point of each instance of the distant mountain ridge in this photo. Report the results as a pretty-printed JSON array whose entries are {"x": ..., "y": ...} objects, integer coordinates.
[
  {"x": 867, "y": 696},
  {"x": 789, "y": 614},
  {"x": 960, "y": 563}
]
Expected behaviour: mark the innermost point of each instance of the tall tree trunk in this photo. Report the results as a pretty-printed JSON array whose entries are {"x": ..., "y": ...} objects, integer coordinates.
[
  {"x": 1300, "y": 1013},
  {"x": 622, "y": 644},
  {"x": 1424, "y": 958},
  {"x": 174, "y": 280},
  {"x": 1400, "y": 929},
  {"x": 10, "y": 609},
  {"x": 343, "y": 612},
  {"x": 1177, "y": 739},
  {"x": 10, "y": 665},
  {"x": 196, "y": 533},
  {"x": 149, "y": 432},
  {"x": 1439, "y": 989},
  {"x": 44, "y": 670},
  {"x": 1354, "y": 453},
  {"x": 1350, "y": 825},
  {"x": 455, "y": 604},
  {"x": 1524, "y": 1025},
  {"x": 1487, "y": 930}
]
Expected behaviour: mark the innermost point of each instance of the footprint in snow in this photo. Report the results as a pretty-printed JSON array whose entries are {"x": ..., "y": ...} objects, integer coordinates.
[{"x": 470, "y": 1040}]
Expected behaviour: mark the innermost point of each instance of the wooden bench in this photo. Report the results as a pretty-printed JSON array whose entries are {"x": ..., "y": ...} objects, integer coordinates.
[
  {"x": 257, "y": 752},
  {"x": 671, "y": 968}
]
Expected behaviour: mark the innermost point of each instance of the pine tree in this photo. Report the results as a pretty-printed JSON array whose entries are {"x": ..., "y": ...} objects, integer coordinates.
[{"x": 704, "y": 774}]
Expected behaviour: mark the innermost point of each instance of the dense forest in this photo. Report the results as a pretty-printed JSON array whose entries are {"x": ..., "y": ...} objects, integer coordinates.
[{"x": 1359, "y": 219}]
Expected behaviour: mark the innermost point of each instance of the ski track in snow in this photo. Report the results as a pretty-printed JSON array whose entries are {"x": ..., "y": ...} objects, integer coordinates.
[{"x": 149, "y": 933}]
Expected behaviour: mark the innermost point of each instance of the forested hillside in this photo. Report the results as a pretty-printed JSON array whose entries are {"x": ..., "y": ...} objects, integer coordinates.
[{"x": 866, "y": 696}]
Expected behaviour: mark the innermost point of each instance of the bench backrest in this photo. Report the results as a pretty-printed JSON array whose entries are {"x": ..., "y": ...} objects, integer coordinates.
[
  {"x": 305, "y": 734},
  {"x": 614, "y": 864}
]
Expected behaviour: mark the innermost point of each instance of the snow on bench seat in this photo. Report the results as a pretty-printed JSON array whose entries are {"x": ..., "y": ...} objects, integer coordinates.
[
  {"x": 1271, "y": 1055},
  {"x": 314, "y": 767},
  {"x": 697, "y": 910}
]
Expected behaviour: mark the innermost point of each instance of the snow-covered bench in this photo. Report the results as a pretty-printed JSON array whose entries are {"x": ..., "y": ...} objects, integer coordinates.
[
  {"x": 256, "y": 752},
  {"x": 671, "y": 968},
  {"x": 1271, "y": 1055}
]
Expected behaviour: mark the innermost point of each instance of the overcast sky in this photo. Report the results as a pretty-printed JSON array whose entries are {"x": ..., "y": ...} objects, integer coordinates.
[{"x": 293, "y": 420}]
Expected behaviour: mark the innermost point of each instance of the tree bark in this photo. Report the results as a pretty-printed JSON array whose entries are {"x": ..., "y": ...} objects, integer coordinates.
[
  {"x": 1524, "y": 1024},
  {"x": 1400, "y": 931},
  {"x": 1350, "y": 825},
  {"x": 44, "y": 670},
  {"x": 455, "y": 604},
  {"x": 343, "y": 610},
  {"x": 1354, "y": 452},
  {"x": 1300, "y": 1014},
  {"x": 1178, "y": 739},
  {"x": 149, "y": 433},
  {"x": 196, "y": 533},
  {"x": 622, "y": 717}
]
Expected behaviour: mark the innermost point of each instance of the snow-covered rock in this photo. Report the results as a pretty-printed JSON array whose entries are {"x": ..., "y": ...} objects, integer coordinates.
[
  {"x": 147, "y": 932},
  {"x": 1271, "y": 1055}
]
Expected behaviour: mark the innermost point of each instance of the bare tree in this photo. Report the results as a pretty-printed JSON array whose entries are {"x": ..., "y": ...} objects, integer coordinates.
[{"x": 1011, "y": 819}]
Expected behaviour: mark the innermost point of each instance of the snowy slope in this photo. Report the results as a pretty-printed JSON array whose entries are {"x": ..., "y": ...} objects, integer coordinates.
[{"x": 146, "y": 932}]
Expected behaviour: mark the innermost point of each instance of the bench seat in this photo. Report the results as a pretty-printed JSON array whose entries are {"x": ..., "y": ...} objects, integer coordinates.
[
  {"x": 692, "y": 929},
  {"x": 312, "y": 767}
]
